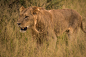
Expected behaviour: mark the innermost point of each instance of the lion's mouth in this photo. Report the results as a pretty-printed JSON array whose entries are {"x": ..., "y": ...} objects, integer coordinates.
[{"x": 24, "y": 29}]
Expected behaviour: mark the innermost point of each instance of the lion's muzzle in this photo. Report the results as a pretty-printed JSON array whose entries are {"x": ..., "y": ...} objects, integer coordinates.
[
  {"x": 22, "y": 29},
  {"x": 25, "y": 28}
]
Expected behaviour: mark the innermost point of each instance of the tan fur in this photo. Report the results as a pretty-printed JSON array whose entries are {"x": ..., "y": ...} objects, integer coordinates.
[
  {"x": 46, "y": 24},
  {"x": 21, "y": 9}
]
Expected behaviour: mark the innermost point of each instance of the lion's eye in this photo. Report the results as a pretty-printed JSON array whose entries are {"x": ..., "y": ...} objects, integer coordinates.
[{"x": 26, "y": 16}]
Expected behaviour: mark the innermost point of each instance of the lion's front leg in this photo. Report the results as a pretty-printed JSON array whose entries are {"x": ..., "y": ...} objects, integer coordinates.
[{"x": 52, "y": 39}]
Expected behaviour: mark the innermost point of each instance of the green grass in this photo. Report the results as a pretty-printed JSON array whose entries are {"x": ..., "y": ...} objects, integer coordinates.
[{"x": 16, "y": 44}]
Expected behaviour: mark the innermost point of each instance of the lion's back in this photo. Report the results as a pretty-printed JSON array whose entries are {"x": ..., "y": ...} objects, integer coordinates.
[{"x": 65, "y": 18}]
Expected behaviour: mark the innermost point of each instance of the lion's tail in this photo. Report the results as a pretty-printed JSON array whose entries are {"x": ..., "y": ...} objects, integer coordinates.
[{"x": 82, "y": 28}]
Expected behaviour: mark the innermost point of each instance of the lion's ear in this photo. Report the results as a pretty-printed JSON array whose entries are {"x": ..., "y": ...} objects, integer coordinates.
[
  {"x": 21, "y": 9},
  {"x": 36, "y": 10}
]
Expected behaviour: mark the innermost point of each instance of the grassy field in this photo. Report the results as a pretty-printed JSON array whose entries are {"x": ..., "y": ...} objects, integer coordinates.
[{"x": 16, "y": 44}]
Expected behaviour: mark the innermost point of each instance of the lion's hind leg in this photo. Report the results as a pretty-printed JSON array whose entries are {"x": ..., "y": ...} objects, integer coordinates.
[{"x": 72, "y": 32}]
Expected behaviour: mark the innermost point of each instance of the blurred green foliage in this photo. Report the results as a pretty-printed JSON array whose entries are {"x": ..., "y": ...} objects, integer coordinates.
[{"x": 48, "y": 4}]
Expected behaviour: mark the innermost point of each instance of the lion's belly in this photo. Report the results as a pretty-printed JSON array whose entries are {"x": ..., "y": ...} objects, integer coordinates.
[
  {"x": 60, "y": 24},
  {"x": 60, "y": 27}
]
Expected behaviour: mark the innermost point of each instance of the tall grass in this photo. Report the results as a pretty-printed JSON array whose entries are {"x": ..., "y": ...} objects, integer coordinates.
[{"x": 16, "y": 44}]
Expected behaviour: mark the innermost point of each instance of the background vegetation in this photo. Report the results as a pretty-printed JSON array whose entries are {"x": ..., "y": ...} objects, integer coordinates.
[{"x": 16, "y": 44}]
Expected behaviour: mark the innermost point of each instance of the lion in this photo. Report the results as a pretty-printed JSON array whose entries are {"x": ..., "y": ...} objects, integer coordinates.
[{"x": 49, "y": 24}]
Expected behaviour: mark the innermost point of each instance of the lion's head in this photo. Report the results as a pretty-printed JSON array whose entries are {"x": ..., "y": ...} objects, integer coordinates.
[{"x": 28, "y": 18}]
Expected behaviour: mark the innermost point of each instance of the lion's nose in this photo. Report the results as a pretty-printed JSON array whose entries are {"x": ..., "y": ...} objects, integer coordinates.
[{"x": 19, "y": 23}]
